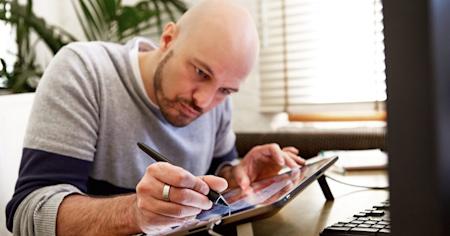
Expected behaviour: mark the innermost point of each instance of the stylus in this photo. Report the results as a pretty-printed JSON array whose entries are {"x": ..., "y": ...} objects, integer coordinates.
[{"x": 214, "y": 196}]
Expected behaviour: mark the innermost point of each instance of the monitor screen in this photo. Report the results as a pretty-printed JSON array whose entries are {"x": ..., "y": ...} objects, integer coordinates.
[{"x": 417, "y": 49}]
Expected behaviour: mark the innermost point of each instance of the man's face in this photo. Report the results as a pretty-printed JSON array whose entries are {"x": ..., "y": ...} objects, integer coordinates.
[{"x": 185, "y": 88}]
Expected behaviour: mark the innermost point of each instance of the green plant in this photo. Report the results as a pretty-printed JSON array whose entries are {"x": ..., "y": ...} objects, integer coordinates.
[
  {"x": 110, "y": 20},
  {"x": 106, "y": 20}
]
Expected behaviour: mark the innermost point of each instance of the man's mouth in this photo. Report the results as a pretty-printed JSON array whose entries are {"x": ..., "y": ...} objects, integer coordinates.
[{"x": 188, "y": 110}]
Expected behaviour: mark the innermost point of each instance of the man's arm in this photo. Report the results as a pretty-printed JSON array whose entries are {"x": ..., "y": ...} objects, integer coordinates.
[
  {"x": 45, "y": 178},
  {"x": 84, "y": 215}
]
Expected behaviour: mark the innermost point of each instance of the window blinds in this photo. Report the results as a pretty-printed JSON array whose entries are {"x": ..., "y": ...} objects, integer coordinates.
[{"x": 322, "y": 56}]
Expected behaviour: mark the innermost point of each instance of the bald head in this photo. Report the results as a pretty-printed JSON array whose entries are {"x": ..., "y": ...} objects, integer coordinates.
[
  {"x": 221, "y": 30},
  {"x": 202, "y": 59},
  {"x": 218, "y": 17}
]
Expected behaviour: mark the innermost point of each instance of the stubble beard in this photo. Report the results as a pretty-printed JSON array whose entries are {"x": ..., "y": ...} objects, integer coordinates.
[{"x": 168, "y": 106}]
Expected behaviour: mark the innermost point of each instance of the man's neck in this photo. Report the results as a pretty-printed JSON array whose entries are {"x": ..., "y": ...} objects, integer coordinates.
[{"x": 147, "y": 66}]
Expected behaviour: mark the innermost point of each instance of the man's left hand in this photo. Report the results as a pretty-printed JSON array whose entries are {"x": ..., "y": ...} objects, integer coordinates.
[{"x": 263, "y": 161}]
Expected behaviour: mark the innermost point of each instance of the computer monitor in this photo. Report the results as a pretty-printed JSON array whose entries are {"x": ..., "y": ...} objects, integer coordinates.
[{"x": 417, "y": 41}]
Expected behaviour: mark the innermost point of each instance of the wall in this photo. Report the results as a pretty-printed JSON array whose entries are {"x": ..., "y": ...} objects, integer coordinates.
[{"x": 245, "y": 104}]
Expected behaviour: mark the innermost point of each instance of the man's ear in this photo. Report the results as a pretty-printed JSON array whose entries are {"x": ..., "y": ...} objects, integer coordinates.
[{"x": 168, "y": 36}]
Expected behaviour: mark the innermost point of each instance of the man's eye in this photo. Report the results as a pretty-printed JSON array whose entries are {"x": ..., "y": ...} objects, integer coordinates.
[
  {"x": 200, "y": 73},
  {"x": 225, "y": 91}
]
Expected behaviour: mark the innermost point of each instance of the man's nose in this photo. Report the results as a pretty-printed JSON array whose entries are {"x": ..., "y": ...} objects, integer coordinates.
[{"x": 204, "y": 95}]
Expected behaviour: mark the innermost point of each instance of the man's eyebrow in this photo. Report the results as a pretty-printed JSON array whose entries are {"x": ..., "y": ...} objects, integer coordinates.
[{"x": 204, "y": 66}]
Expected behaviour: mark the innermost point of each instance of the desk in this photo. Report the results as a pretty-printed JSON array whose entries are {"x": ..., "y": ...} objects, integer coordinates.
[{"x": 309, "y": 213}]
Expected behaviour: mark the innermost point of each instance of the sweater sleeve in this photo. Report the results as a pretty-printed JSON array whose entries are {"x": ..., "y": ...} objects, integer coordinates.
[
  {"x": 59, "y": 145},
  {"x": 36, "y": 215}
]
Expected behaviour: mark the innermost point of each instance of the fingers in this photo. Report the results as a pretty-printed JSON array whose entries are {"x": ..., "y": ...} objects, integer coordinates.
[
  {"x": 292, "y": 153},
  {"x": 183, "y": 196},
  {"x": 293, "y": 160},
  {"x": 169, "y": 209},
  {"x": 269, "y": 150},
  {"x": 241, "y": 177},
  {"x": 177, "y": 177},
  {"x": 276, "y": 153},
  {"x": 287, "y": 156},
  {"x": 218, "y": 184},
  {"x": 186, "y": 195},
  {"x": 151, "y": 221},
  {"x": 291, "y": 149}
]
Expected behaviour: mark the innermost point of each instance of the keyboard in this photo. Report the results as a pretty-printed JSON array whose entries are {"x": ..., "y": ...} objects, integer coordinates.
[{"x": 374, "y": 221}]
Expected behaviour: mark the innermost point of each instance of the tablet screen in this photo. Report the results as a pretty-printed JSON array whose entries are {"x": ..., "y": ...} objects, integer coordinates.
[{"x": 263, "y": 192}]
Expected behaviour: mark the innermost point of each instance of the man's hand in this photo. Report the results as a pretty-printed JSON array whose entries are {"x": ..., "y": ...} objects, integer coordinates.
[
  {"x": 186, "y": 196},
  {"x": 261, "y": 162},
  {"x": 144, "y": 211}
]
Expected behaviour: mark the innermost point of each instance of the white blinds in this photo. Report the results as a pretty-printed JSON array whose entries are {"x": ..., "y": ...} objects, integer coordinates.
[{"x": 321, "y": 56}]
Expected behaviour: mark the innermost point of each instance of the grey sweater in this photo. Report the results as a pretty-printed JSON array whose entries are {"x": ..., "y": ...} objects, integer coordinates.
[{"x": 89, "y": 112}]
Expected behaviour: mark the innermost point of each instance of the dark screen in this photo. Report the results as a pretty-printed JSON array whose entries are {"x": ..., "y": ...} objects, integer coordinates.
[{"x": 417, "y": 41}]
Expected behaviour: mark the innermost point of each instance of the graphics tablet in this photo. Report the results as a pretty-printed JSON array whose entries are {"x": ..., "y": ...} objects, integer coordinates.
[{"x": 264, "y": 198}]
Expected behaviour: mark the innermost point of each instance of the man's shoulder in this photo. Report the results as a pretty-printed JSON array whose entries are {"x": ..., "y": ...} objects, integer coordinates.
[{"x": 93, "y": 47}]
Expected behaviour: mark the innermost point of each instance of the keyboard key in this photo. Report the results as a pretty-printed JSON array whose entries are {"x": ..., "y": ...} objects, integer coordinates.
[
  {"x": 364, "y": 231},
  {"x": 363, "y": 226},
  {"x": 380, "y": 207},
  {"x": 350, "y": 225},
  {"x": 357, "y": 222},
  {"x": 374, "y": 221},
  {"x": 334, "y": 230},
  {"x": 384, "y": 232},
  {"x": 346, "y": 221},
  {"x": 376, "y": 213},
  {"x": 370, "y": 222},
  {"x": 378, "y": 226}
]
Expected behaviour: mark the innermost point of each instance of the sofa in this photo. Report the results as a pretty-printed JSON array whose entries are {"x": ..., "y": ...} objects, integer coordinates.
[{"x": 311, "y": 142}]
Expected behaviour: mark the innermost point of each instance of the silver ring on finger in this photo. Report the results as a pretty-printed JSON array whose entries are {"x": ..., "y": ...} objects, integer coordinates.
[{"x": 165, "y": 192}]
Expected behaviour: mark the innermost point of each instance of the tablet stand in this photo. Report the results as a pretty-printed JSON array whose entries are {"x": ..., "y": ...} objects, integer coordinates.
[{"x": 325, "y": 188}]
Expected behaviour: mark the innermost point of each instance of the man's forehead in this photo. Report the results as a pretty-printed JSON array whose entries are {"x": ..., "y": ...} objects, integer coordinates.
[
  {"x": 223, "y": 33},
  {"x": 220, "y": 61}
]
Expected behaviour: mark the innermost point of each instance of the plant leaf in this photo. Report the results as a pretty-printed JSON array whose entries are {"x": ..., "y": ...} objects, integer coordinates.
[{"x": 93, "y": 26}]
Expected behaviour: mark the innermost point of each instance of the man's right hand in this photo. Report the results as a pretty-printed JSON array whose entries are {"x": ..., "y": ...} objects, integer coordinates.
[{"x": 187, "y": 196}]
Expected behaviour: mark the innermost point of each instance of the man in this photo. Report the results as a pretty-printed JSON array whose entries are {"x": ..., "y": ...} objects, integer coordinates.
[{"x": 97, "y": 100}]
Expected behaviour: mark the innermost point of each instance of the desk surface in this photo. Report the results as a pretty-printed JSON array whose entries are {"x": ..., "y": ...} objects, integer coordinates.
[{"x": 309, "y": 213}]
